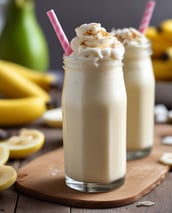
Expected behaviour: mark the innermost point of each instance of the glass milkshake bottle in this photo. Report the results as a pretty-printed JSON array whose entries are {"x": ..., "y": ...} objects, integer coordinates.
[
  {"x": 94, "y": 111},
  {"x": 140, "y": 86}
]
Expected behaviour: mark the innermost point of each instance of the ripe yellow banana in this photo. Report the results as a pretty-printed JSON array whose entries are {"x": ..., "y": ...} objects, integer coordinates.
[
  {"x": 167, "y": 55},
  {"x": 14, "y": 85},
  {"x": 165, "y": 29},
  {"x": 159, "y": 44},
  {"x": 21, "y": 111},
  {"x": 162, "y": 69},
  {"x": 161, "y": 39},
  {"x": 44, "y": 80},
  {"x": 154, "y": 35},
  {"x": 158, "y": 49}
]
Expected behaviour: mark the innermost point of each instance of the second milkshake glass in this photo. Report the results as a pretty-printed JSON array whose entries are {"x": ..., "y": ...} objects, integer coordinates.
[{"x": 140, "y": 87}]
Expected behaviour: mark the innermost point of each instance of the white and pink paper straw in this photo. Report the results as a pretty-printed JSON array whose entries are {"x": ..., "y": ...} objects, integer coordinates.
[
  {"x": 147, "y": 16},
  {"x": 59, "y": 32}
]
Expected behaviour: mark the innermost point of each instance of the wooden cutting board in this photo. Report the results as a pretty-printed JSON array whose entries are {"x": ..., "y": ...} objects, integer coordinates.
[{"x": 43, "y": 178}]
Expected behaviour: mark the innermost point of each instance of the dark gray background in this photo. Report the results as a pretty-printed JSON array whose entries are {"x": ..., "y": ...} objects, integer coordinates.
[{"x": 110, "y": 13}]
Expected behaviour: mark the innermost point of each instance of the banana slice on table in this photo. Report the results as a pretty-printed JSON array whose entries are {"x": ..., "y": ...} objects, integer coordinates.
[
  {"x": 53, "y": 117},
  {"x": 4, "y": 154},
  {"x": 26, "y": 143},
  {"x": 166, "y": 158},
  {"x": 8, "y": 176}
]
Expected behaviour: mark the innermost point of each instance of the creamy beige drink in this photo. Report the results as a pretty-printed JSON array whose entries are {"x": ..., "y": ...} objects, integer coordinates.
[
  {"x": 94, "y": 111},
  {"x": 140, "y": 84}
]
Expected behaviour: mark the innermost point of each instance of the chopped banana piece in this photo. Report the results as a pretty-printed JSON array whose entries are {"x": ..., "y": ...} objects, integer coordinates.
[
  {"x": 4, "y": 154},
  {"x": 145, "y": 203},
  {"x": 167, "y": 140},
  {"x": 26, "y": 143},
  {"x": 161, "y": 113},
  {"x": 8, "y": 176},
  {"x": 166, "y": 158},
  {"x": 53, "y": 117}
]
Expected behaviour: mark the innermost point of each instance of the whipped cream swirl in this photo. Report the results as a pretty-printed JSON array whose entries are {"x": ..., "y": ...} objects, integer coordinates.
[
  {"x": 130, "y": 37},
  {"x": 93, "y": 41}
]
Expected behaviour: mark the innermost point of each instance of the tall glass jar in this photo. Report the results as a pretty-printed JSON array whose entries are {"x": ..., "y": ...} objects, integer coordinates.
[
  {"x": 140, "y": 86},
  {"x": 94, "y": 124}
]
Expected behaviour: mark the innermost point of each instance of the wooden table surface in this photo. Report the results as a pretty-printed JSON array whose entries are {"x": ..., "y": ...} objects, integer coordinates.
[{"x": 12, "y": 201}]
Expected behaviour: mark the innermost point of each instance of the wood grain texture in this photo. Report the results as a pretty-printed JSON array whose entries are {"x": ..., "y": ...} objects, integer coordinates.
[{"x": 44, "y": 178}]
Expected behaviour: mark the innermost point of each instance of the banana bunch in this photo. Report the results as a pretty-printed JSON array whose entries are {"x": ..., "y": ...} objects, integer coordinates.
[
  {"x": 161, "y": 40},
  {"x": 24, "y": 92}
]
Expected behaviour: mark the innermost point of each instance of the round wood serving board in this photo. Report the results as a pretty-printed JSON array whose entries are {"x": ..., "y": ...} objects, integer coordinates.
[{"x": 43, "y": 178}]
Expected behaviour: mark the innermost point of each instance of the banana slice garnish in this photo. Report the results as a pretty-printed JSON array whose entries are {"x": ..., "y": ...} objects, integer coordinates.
[
  {"x": 26, "y": 143},
  {"x": 53, "y": 117},
  {"x": 8, "y": 176},
  {"x": 166, "y": 158},
  {"x": 4, "y": 154}
]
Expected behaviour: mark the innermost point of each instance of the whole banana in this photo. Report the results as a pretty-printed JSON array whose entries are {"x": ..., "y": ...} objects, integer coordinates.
[
  {"x": 161, "y": 39},
  {"x": 167, "y": 55},
  {"x": 44, "y": 80},
  {"x": 165, "y": 29},
  {"x": 14, "y": 85},
  {"x": 162, "y": 69},
  {"x": 21, "y": 110},
  {"x": 159, "y": 44}
]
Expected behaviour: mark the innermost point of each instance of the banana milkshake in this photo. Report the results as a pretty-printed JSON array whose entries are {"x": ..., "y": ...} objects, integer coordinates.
[
  {"x": 140, "y": 86},
  {"x": 94, "y": 111}
]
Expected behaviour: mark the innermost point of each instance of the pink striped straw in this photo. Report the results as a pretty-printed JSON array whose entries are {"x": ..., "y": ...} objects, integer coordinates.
[
  {"x": 59, "y": 32},
  {"x": 147, "y": 15}
]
